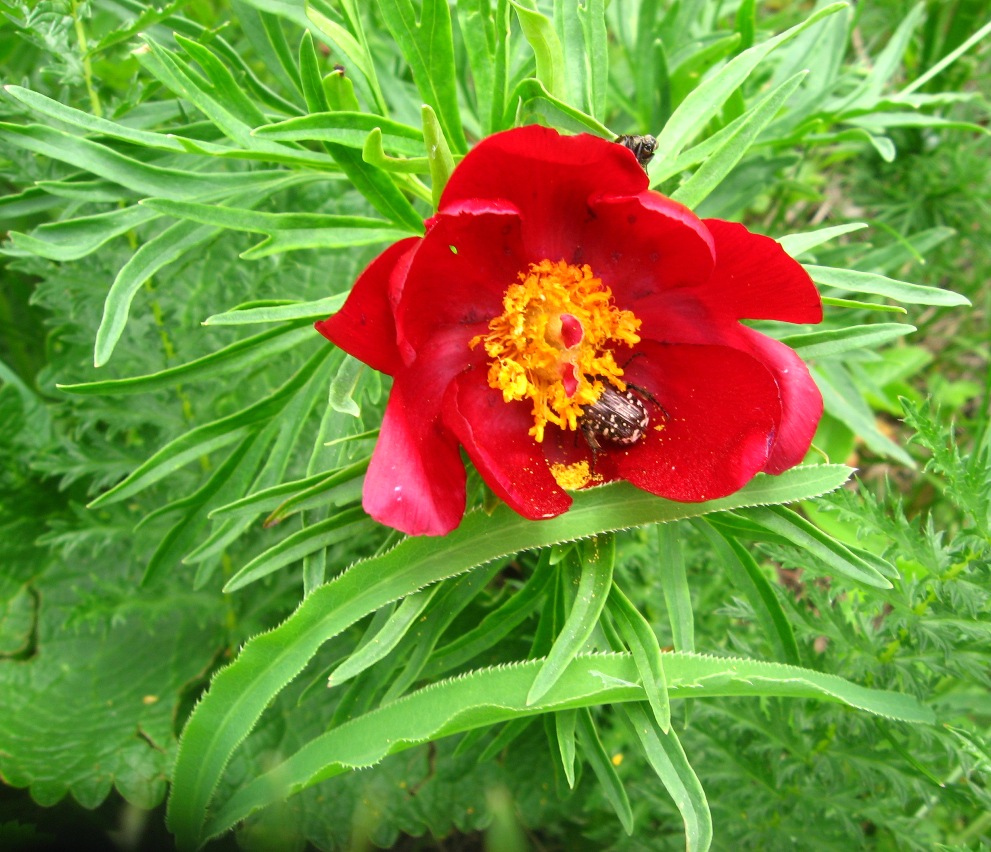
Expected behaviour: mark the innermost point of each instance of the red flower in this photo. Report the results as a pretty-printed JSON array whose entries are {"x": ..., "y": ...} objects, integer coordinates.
[{"x": 552, "y": 290}]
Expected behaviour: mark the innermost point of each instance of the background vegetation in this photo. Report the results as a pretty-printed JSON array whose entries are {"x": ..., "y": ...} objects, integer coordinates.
[{"x": 152, "y": 229}]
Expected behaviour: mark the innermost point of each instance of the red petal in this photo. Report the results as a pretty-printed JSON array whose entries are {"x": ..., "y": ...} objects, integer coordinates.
[
  {"x": 548, "y": 178},
  {"x": 642, "y": 244},
  {"x": 801, "y": 402},
  {"x": 460, "y": 275},
  {"x": 756, "y": 279},
  {"x": 416, "y": 479},
  {"x": 494, "y": 434},
  {"x": 722, "y": 410},
  {"x": 365, "y": 326}
]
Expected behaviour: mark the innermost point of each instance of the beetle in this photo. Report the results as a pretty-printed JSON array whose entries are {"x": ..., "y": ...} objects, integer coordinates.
[
  {"x": 619, "y": 417},
  {"x": 643, "y": 147}
]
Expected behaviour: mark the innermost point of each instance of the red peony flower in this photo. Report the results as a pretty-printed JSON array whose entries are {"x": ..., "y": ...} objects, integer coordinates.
[{"x": 567, "y": 326}]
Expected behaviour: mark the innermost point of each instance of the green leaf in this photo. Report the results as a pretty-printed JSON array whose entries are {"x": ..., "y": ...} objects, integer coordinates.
[
  {"x": 539, "y": 32},
  {"x": 747, "y": 577},
  {"x": 254, "y": 313},
  {"x": 707, "y": 99},
  {"x": 291, "y": 549},
  {"x": 592, "y": 16},
  {"x": 72, "y": 239},
  {"x": 349, "y": 129},
  {"x": 234, "y": 357},
  {"x": 593, "y": 590},
  {"x": 863, "y": 306},
  {"x": 719, "y": 164},
  {"x": 821, "y": 344},
  {"x": 428, "y": 47},
  {"x": 668, "y": 760},
  {"x": 879, "y": 285},
  {"x": 833, "y": 553},
  {"x": 598, "y": 758},
  {"x": 532, "y": 95},
  {"x": 845, "y": 402},
  {"x": 486, "y": 36},
  {"x": 640, "y": 639},
  {"x": 160, "y": 251},
  {"x": 211, "y": 436},
  {"x": 353, "y": 47},
  {"x": 92, "y": 124},
  {"x": 378, "y": 645},
  {"x": 497, "y": 625},
  {"x": 483, "y": 698},
  {"x": 564, "y": 728},
  {"x": 102, "y": 690},
  {"x": 674, "y": 582},
  {"x": 240, "y": 692},
  {"x": 133, "y": 175},
  {"x": 798, "y": 244},
  {"x": 438, "y": 153}
]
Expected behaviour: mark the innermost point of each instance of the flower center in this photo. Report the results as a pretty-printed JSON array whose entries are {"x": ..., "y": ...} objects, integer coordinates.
[{"x": 553, "y": 343}]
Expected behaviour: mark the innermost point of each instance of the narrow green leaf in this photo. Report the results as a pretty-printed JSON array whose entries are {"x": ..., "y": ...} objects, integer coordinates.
[
  {"x": 598, "y": 758},
  {"x": 315, "y": 537},
  {"x": 747, "y": 577},
  {"x": 378, "y": 646},
  {"x": 593, "y": 591},
  {"x": 798, "y": 244},
  {"x": 428, "y": 47},
  {"x": 707, "y": 99},
  {"x": 225, "y": 89},
  {"x": 161, "y": 250},
  {"x": 821, "y": 344},
  {"x": 946, "y": 61},
  {"x": 497, "y": 625},
  {"x": 844, "y": 401},
  {"x": 592, "y": 16},
  {"x": 234, "y": 357},
  {"x": 530, "y": 93},
  {"x": 721, "y": 162},
  {"x": 182, "y": 536},
  {"x": 72, "y": 239},
  {"x": 564, "y": 728},
  {"x": 674, "y": 582},
  {"x": 133, "y": 175},
  {"x": 374, "y": 154},
  {"x": 354, "y": 49},
  {"x": 668, "y": 760},
  {"x": 254, "y": 313},
  {"x": 209, "y": 437},
  {"x": 280, "y": 242},
  {"x": 640, "y": 639},
  {"x": 810, "y": 538},
  {"x": 349, "y": 129},
  {"x": 244, "y": 219},
  {"x": 92, "y": 124},
  {"x": 438, "y": 153},
  {"x": 452, "y": 599},
  {"x": 863, "y": 306},
  {"x": 880, "y": 285},
  {"x": 539, "y": 32},
  {"x": 481, "y": 699},
  {"x": 240, "y": 692}
]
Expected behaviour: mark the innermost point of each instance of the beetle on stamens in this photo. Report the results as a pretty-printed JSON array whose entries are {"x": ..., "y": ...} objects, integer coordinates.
[{"x": 619, "y": 417}]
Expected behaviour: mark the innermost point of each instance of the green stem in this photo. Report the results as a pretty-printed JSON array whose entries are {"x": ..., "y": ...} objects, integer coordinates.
[{"x": 94, "y": 98}]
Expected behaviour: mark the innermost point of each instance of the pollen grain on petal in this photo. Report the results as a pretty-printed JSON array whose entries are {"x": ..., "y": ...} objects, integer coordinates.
[
  {"x": 554, "y": 341},
  {"x": 572, "y": 477}
]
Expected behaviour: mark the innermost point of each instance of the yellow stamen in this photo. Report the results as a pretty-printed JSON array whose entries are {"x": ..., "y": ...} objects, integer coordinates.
[{"x": 553, "y": 343}]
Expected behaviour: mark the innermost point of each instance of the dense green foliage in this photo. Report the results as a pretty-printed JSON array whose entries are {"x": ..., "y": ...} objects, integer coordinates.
[{"x": 188, "y": 187}]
